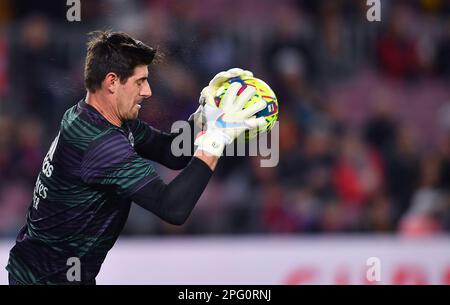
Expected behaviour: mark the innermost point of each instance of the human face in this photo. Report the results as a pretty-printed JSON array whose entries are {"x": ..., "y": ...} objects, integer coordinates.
[{"x": 131, "y": 94}]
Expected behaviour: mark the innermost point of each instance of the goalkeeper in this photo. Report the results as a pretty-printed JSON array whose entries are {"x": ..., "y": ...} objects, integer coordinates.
[{"x": 100, "y": 162}]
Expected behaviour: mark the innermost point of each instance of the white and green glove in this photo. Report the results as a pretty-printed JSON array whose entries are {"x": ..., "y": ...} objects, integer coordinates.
[
  {"x": 208, "y": 93},
  {"x": 224, "y": 125}
]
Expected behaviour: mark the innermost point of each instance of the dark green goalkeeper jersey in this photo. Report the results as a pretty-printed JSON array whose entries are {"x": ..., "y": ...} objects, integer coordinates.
[{"x": 81, "y": 199}]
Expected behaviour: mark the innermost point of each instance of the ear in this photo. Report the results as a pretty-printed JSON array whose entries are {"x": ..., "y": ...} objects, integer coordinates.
[{"x": 111, "y": 82}]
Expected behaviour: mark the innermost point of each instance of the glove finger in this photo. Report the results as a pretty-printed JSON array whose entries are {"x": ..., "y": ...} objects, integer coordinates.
[
  {"x": 195, "y": 114},
  {"x": 234, "y": 72},
  {"x": 220, "y": 78},
  {"x": 207, "y": 96},
  {"x": 255, "y": 122},
  {"x": 211, "y": 112},
  {"x": 199, "y": 118},
  {"x": 246, "y": 73},
  {"x": 230, "y": 96},
  {"x": 202, "y": 98},
  {"x": 253, "y": 109},
  {"x": 244, "y": 97},
  {"x": 226, "y": 75}
]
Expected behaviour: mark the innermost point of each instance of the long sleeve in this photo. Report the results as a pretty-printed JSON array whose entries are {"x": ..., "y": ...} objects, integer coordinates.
[
  {"x": 175, "y": 201},
  {"x": 155, "y": 145}
]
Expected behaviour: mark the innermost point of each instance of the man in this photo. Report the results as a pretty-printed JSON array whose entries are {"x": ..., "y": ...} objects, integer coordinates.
[{"x": 100, "y": 162}]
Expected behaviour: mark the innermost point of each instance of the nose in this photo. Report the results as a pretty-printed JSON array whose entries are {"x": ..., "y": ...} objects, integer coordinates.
[{"x": 146, "y": 91}]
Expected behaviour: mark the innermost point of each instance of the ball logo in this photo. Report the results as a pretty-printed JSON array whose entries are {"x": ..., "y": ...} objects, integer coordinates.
[{"x": 271, "y": 108}]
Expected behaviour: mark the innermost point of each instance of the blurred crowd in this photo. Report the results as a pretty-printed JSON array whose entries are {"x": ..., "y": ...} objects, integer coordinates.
[{"x": 364, "y": 107}]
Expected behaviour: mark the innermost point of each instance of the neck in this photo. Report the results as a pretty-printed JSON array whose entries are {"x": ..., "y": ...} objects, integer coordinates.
[{"x": 104, "y": 105}]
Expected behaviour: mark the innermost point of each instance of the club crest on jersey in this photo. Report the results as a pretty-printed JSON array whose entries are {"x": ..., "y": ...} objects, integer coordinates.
[{"x": 131, "y": 138}]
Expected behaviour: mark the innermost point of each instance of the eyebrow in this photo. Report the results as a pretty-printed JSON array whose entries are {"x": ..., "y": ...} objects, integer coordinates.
[{"x": 142, "y": 78}]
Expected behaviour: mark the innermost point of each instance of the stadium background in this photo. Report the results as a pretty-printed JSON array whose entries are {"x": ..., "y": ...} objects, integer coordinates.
[{"x": 364, "y": 118}]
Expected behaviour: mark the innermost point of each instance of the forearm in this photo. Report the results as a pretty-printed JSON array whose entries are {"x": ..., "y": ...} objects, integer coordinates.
[{"x": 174, "y": 202}]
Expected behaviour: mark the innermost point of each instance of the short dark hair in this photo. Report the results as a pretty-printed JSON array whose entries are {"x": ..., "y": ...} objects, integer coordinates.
[{"x": 115, "y": 52}]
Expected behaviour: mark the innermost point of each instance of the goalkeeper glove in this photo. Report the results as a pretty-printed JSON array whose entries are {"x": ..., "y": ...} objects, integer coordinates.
[
  {"x": 226, "y": 124},
  {"x": 208, "y": 93}
]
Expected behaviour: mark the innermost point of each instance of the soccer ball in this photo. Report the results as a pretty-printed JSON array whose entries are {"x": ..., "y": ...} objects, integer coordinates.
[{"x": 264, "y": 92}]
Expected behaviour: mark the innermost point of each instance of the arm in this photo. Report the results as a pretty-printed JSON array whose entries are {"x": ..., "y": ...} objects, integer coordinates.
[
  {"x": 156, "y": 146},
  {"x": 175, "y": 201},
  {"x": 111, "y": 161}
]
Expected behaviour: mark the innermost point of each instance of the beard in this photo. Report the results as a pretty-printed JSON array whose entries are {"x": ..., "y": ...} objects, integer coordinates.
[
  {"x": 133, "y": 113},
  {"x": 129, "y": 112}
]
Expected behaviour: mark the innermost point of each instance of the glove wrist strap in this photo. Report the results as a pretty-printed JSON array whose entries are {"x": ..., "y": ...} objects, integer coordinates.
[{"x": 212, "y": 142}]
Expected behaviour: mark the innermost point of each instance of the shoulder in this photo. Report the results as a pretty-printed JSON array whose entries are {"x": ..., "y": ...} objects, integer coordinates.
[
  {"x": 110, "y": 141},
  {"x": 109, "y": 151},
  {"x": 140, "y": 131},
  {"x": 137, "y": 125},
  {"x": 81, "y": 127}
]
